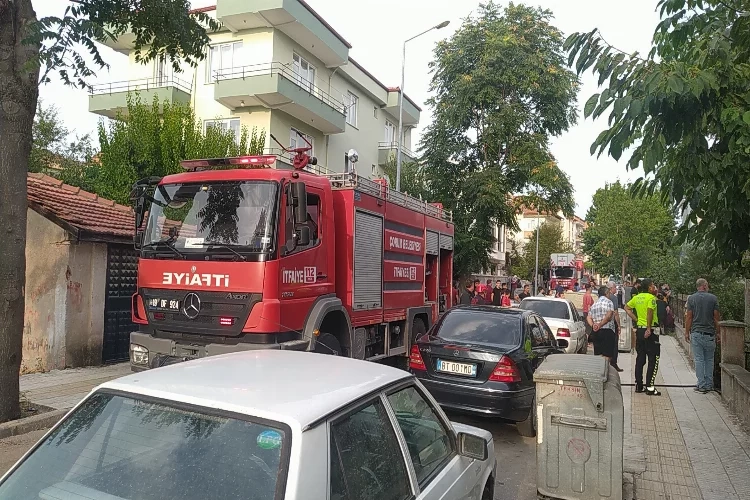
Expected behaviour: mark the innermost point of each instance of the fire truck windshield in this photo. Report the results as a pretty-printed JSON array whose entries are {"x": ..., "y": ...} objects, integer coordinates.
[
  {"x": 217, "y": 218},
  {"x": 564, "y": 272}
]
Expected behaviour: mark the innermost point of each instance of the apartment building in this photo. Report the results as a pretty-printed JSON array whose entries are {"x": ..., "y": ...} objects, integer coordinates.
[
  {"x": 572, "y": 229},
  {"x": 279, "y": 66}
]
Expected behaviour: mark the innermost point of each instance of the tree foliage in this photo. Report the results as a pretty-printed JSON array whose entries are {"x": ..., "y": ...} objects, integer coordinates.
[
  {"x": 160, "y": 28},
  {"x": 551, "y": 241},
  {"x": 501, "y": 91},
  {"x": 53, "y": 148},
  {"x": 413, "y": 180},
  {"x": 151, "y": 140},
  {"x": 684, "y": 109},
  {"x": 625, "y": 230}
]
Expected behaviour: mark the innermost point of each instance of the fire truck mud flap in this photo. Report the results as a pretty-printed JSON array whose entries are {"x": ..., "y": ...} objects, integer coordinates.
[{"x": 327, "y": 313}]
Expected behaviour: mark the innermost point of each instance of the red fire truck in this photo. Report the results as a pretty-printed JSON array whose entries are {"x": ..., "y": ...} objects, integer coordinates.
[
  {"x": 563, "y": 270},
  {"x": 236, "y": 255}
]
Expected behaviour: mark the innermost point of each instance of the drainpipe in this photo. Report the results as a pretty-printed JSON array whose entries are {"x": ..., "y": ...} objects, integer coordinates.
[{"x": 328, "y": 137}]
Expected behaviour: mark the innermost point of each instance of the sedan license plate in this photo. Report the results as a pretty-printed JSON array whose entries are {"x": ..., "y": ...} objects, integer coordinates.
[
  {"x": 164, "y": 304},
  {"x": 466, "y": 369}
]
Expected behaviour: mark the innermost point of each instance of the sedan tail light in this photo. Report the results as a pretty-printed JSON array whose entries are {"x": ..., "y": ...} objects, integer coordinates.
[
  {"x": 415, "y": 359},
  {"x": 505, "y": 371},
  {"x": 563, "y": 332}
]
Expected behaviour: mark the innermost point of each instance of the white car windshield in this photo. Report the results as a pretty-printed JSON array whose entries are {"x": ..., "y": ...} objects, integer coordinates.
[
  {"x": 547, "y": 308},
  {"x": 114, "y": 447}
]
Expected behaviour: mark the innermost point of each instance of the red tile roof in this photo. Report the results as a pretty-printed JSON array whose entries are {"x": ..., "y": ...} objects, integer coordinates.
[{"x": 79, "y": 210}]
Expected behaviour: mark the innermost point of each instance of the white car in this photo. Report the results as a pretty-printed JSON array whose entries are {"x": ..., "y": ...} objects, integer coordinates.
[
  {"x": 563, "y": 319},
  {"x": 258, "y": 425}
]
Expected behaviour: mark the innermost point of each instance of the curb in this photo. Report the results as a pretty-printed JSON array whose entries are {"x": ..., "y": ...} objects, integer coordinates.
[{"x": 30, "y": 424}]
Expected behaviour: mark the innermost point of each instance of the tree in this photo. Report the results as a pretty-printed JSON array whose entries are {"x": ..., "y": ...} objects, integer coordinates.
[
  {"x": 550, "y": 241},
  {"x": 501, "y": 91},
  {"x": 684, "y": 110},
  {"x": 150, "y": 140},
  {"x": 50, "y": 147},
  {"x": 413, "y": 180},
  {"x": 623, "y": 229},
  {"x": 30, "y": 51}
]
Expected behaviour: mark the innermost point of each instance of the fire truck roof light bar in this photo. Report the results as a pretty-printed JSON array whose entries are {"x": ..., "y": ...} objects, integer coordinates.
[{"x": 249, "y": 161}]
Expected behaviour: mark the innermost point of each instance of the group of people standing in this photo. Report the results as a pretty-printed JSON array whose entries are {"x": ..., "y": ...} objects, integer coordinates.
[{"x": 499, "y": 295}]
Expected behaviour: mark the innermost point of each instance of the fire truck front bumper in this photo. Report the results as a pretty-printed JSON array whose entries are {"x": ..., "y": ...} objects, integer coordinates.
[{"x": 148, "y": 352}]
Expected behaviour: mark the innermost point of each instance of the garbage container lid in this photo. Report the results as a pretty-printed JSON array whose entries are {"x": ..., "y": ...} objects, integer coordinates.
[{"x": 570, "y": 367}]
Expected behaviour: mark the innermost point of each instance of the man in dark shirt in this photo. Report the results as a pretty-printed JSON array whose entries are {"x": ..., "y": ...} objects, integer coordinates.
[
  {"x": 497, "y": 293},
  {"x": 468, "y": 294},
  {"x": 701, "y": 328},
  {"x": 526, "y": 292}
]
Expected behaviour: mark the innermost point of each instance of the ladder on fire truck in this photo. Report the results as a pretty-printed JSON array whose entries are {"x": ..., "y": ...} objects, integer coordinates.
[
  {"x": 350, "y": 180},
  {"x": 380, "y": 189}
]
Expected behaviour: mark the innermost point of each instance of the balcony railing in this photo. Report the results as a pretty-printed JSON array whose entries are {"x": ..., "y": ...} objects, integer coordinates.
[
  {"x": 285, "y": 70},
  {"x": 394, "y": 145},
  {"x": 141, "y": 84}
]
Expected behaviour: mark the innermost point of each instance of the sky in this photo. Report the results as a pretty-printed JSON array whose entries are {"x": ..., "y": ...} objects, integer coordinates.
[{"x": 377, "y": 45}]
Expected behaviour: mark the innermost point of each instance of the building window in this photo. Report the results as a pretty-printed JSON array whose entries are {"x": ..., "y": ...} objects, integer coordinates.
[
  {"x": 351, "y": 101},
  {"x": 160, "y": 70},
  {"x": 223, "y": 59},
  {"x": 390, "y": 132},
  {"x": 304, "y": 73},
  {"x": 297, "y": 140},
  {"x": 232, "y": 124}
]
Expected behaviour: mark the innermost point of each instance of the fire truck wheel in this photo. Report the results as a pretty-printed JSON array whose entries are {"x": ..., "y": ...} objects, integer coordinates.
[{"x": 328, "y": 344}]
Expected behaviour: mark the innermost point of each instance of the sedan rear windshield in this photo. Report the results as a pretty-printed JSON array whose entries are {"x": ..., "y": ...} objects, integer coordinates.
[
  {"x": 114, "y": 447},
  {"x": 547, "y": 308},
  {"x": 474, "y": 326}
]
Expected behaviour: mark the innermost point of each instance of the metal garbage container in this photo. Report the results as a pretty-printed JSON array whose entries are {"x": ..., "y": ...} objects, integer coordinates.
[
  {"x": 579, "y": 428},
  {"x": 624, "y": 342}
]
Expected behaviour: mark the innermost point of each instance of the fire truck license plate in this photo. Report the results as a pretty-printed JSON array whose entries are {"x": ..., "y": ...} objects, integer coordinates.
[
  {"x": 164, "y": 304},
  {"x": 457, "y": 368}
]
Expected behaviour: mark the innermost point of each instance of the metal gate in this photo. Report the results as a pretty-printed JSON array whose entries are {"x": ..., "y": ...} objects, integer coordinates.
[{"x": 122, "y": 269}]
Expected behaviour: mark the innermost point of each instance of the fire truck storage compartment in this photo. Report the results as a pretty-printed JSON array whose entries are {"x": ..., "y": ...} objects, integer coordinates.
[{"x": 368, "y": 261}]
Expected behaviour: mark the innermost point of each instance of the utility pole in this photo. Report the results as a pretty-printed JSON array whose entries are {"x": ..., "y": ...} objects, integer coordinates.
[{"x": 536, "y": 266}]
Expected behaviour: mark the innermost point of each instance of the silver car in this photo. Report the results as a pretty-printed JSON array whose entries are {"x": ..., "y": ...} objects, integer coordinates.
[
  {"x": 563, "y": 319},
  {"x": 261, "y": 425}
]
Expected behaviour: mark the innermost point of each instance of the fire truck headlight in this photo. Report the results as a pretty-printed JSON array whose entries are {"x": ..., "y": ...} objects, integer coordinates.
[{"x": 138, "y": 354}]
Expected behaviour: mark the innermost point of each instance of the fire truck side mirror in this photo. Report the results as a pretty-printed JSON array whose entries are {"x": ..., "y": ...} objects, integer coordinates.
[
  {"x": 303, "y": 236},
  {"x": 138, "y": 239},
  {"x": 299, "y": 195}
]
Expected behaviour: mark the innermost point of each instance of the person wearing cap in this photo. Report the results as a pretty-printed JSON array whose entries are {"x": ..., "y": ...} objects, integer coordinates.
[{"x": 647, "y": 345}]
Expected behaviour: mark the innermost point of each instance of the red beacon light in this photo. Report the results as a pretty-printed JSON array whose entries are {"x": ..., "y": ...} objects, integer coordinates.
[{"x": 260, "y": 161}]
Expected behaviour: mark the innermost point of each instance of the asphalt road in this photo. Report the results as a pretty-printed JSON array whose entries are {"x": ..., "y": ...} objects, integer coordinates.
[{"x": 516, "y": 469}]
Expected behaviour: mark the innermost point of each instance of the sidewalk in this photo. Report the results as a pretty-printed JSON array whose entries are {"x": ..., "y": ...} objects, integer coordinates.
[
  {"x": 694, "y": 448},
  {"x": 63, "y": 389}
]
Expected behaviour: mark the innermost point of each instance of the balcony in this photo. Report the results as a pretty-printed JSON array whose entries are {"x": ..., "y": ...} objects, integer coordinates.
[
  {"x": 388, "y": 150},
  {"x": 295, "y": 18},
  {"x": 276, "y": 86},
  {"x": 411, "y": 111},
  {"x": 110, "y": 99}
]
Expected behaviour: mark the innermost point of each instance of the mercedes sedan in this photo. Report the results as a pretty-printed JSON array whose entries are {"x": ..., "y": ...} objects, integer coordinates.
[{"x": 481, "y": 360}]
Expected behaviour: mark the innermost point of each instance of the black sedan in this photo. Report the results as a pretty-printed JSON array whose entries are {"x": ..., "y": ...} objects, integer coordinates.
[{"x": 481, "y": 360}]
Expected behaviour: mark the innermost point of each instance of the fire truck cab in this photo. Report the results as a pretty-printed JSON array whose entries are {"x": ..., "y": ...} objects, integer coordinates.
[{"x": 236, "y": 255}]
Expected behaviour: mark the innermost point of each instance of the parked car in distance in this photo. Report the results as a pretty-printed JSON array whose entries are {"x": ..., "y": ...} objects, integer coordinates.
[
  {"x": 481, "y": 360},
  {"x": 258, "y": 425},
  {"x": 563, "y": 319}
]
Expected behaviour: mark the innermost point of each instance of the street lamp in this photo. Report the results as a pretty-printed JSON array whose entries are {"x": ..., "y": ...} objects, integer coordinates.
[
  {"x": 401, "y": 102},
  {"x": 536, "y": 266}
]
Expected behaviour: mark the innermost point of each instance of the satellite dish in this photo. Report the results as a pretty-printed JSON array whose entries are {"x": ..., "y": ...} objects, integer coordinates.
[{"x": 353, "y": 155}]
